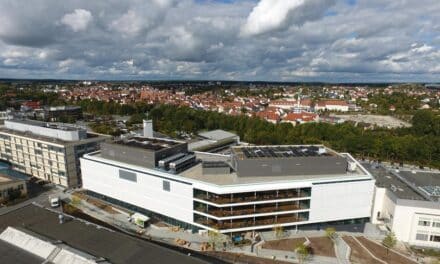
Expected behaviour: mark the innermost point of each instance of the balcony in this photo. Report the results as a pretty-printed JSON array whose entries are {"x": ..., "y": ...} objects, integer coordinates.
[
  {"x": 251, "y": 222},
  {"x": 251, "y": 209},
  {"x": 251, "y": 196}
]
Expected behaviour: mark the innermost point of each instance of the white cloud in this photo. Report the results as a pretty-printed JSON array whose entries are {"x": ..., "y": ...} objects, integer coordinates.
[
  {"x": 248, "y": 39},
  {"x": 269, "y": 15},
  {"x": 272, "y": 15},
  {"x": 78, "y": 20},
  {"x": 129, "y": 23},
  {"x": 422, "y": 49}
]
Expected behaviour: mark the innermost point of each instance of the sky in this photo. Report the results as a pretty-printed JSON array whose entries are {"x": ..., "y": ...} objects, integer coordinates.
[{"x": 253, "y": 40}]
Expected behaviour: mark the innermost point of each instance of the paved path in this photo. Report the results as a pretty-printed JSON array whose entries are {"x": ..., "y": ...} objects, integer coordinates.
[{"x": 42, "y": 199}]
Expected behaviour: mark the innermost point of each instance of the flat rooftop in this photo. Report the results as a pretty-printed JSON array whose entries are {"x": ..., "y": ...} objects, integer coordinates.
[
  {"x": 154, "y": 144},
  {"x": 386, "y": 179},
  {"x": 115, "y": 247},
  {"x": 59, "y": 126},
  {"x": 12, "y": 254},
  {"x": 428, "y": 182},
  {"x": 46, "y": 138},
  {"x": 62, "y": 108},
  {"x": 196, "y": 173},
  {"x": 217, "y": 134},
  {"x": 260, "y": 152}
]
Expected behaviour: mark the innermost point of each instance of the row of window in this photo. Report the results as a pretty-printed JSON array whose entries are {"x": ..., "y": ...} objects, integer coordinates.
[
  {"x": 30, "y": 143},
  {"x": 428, "y": 223},
  {"x": 426, "y": 237},
  {"x": 27, "y": 156}
]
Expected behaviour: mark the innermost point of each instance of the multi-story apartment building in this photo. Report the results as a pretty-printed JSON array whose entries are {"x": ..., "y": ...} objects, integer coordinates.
[
  {"x": 407, "y": 203},
  {"x": 49, "y": 151},
  {"x": 253, "y": 188}
]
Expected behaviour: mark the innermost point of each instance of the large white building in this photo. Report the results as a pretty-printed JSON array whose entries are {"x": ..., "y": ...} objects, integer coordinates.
[
  {"x": 49, "y": 151},
  {"x": 253, "y": 188},
  {"x": 407, "y": 203}
]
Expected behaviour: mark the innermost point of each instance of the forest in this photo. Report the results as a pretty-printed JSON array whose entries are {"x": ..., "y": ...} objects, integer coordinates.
[{"x": 419, "y": 144}]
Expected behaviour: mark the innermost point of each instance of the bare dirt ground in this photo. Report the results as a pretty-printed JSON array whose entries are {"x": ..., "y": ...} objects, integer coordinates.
[
  {"x": 95, "y": 202},
  {"x": 284, "y": 244},
  {"x": 322, "y": 246},
  {"x": 379, "y": 120},
  {"x": 381, "y": 253},
  {"x": 358, "y": 254}
]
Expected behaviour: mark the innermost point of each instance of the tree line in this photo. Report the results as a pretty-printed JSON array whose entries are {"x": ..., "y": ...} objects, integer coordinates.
[{"x": 419, "y": 144}]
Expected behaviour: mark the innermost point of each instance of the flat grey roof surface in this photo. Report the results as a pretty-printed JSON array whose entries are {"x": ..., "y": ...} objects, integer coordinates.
[
  {"x": 385, "y": 179},
  {"x": 196, "y": 173},
  {"x": 217, "y": 134},
  {"x": 10, "y": 254},
  {"x": 60, "y": 126},
  {"x": 275, "y": 152},
  {"x": 422, "y": 178},
  {"x": 49, "y": 139},
  {"x": 116, "y": 247}
]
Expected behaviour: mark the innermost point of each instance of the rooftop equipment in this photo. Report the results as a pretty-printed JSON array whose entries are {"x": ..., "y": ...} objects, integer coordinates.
[
  {"x": 164, "y": 164},
  {"x": 182, "y": 163},
  {"x": 352, "y": 166}
]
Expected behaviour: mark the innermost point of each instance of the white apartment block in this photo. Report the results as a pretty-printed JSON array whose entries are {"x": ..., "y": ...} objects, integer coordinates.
[
  {"x": 254, "y": 188},
  {"x": 46, "y": 151}
]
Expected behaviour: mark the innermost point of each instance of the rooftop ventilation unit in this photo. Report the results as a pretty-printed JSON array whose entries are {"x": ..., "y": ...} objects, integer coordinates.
[
  {"x": 393, "y": 188},
  {"x": 352, "y": 166},
  {"x": 182, "y": 163},
  {"x": 322, "y": 150},
  {"x": 164, "y": 164}
]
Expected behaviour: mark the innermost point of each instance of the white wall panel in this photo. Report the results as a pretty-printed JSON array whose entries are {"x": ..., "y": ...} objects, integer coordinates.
[
  {"x": 146, "y": 193},
  {"x": 342, "y": 200}
]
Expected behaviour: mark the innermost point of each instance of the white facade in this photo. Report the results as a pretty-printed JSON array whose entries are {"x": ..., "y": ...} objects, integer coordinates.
[
  {"x": 330, "y": 201},
  {"x": 413, "y": 221},
  {"x": 323, "y": 200},
  {"x": 146, "y": 192}
]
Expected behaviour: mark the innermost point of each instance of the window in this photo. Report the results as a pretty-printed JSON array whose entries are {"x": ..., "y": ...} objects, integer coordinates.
[
  {"x": 166, "y": 186},
  {"x": 422, "y": 237},
  {"x": 435, "y": 238},
  {"x": 126, "y": 175},
  {"x": 435, "y": 224},
  {"x": 424, "y": 223}
]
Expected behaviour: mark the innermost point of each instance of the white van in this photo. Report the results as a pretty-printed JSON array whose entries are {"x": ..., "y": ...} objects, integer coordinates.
[{"x": 54, "y": 202}]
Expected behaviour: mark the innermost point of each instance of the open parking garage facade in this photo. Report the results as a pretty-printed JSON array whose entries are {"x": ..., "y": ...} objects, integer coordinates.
[{"x": 251, "y": 210}]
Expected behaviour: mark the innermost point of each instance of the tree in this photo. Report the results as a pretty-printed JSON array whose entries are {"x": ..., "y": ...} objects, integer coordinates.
[
  {"x": 214, "y": 238},
  {"x": 424, "y": 122},
  {"x": 278, "y": 231},
  {"x": 136, "y": 119},
  {"x": 302, "y": 253},
  {"x": 389, "y": 241},
  {"x": 330, "y": 232}
]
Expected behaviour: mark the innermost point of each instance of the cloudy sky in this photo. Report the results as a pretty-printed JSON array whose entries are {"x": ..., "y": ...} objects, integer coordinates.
[{"x": 277, "y": 40}]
